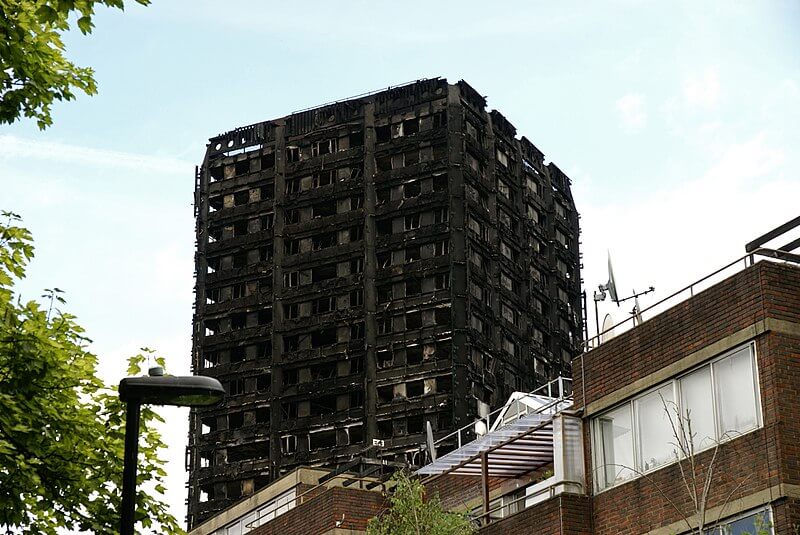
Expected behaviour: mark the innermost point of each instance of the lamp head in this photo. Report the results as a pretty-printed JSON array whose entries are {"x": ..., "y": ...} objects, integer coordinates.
[{"x": 186, "y": 391}]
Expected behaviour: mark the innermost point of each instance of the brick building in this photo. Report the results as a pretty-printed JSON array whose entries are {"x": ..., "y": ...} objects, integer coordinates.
[
  {"x": 366, "y": 267},
  {"x": 726, "y": 360}
]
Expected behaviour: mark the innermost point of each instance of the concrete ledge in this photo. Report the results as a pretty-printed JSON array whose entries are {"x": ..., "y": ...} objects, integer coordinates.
[{"x": 760, "y": 498}]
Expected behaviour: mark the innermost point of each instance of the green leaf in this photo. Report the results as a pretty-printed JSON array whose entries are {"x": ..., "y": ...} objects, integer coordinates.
[{"x": 85, "y": 25}]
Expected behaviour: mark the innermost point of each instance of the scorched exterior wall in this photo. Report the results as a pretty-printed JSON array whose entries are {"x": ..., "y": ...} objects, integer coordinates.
[{"x": 365, "y": 267}]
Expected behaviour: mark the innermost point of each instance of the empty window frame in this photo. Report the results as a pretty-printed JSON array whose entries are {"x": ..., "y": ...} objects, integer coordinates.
[
  {"x": 321, "y": 273},
  {"x": 291, "y": 311},
  {"x": 412, "y": 254},
  {"x": 323, "y": 241},
  {"x": 323, "y": 209},
  {"x": 318, "y": 440},
  {"x": 326, "y": 146},
  {"x": 411, "y": 222},
  {"x": 291, "y": 279},
  {"x": 414, "y": 320},
  {"x": 323, "y": 177},
  {"x": 441, "y": 281},
  {"x": 323, "y": 337},
  {"x": 413, "y": 287},
  {"x": 721, "y": 400},
  {"x": 323, "y": 305},
  {"x": 508, "y": 313},
  {"x": 508, "y": 251},
  {"x": 356, "y": 265},
  {"x": 356, "y": 298},
  {"x": 356, "y": 233},
  {"x": 356, "y": 202},
  {"x": 412, "y": 189},
  {"x": 503, "y": 188}
]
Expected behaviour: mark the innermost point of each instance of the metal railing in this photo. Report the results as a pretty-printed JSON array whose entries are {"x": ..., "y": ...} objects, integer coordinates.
[
  {"x": 482, "y": 520},
  {"x": 594, "y": 341},
  {"x": 559, "y": 389}
]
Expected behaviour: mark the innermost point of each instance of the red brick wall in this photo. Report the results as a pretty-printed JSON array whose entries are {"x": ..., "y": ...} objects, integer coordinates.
[
  {"x": 567, "y": 514},
  {"x": 320, "y": 514},
  {"x": 786, "y": 516}
]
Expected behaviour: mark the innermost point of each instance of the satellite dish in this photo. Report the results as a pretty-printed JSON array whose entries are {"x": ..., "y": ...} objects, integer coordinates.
[
  {"x": 429, "y": 440},
  {"x": 607, "y": 331},
  {"x": 612, "y": 284}
]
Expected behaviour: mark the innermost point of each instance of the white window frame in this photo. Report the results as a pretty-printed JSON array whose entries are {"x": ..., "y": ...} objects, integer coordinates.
[
  {"x": 721, "y": 438},
  {"x": 764, "y": 509}
]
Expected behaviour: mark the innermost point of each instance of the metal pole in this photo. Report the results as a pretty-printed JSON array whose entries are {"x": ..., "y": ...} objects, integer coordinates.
[
  {"x": 485, "y": 486},
  {"x": 129, "y": 468},
  {"x": 596, "y": 317}
]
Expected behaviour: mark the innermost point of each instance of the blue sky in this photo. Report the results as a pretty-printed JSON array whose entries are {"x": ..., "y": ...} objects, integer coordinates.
[{"x": 678, "y": 123}]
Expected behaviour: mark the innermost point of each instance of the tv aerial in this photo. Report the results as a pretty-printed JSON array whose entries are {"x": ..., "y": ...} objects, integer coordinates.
[{"x": 610, "y": 289}]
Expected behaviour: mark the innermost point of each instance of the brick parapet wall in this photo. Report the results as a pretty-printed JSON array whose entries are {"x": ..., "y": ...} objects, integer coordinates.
[
  {"x": 567, "y": 514},
  {"x": 351, "y": 507}
]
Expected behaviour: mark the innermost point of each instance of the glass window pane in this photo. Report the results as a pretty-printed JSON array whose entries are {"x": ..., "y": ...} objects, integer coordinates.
[
  {"x": 736, "y": 396},
  {"x": 755, "y": 524},
  {"x": 656, "y": 438},
  {"x": 614, "y": 432},
  {"x": 696, "y": 407}
]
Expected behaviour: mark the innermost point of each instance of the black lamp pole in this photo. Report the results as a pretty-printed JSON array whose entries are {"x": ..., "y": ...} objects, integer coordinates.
[
  {"x": 129, "y": 468},
  {"x": 191, "y": 391}
]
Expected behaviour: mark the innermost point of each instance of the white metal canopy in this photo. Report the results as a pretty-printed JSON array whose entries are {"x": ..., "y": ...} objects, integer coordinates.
[{"x": 517, "y": 448}]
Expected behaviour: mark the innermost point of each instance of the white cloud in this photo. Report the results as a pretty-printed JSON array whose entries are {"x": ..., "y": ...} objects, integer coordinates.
[
  {"x": 683, "y": 231},
  {"x": 632, "y": 112},
  {"x": 13, "y": 147},
  {"x": 702, "y": 91}
]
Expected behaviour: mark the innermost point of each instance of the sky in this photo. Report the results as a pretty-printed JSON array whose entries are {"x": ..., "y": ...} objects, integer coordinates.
[{"x": 678, "y": 123}]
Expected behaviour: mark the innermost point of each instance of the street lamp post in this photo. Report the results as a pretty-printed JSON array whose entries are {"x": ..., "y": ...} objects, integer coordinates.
[{"x": 155, "y": 389}]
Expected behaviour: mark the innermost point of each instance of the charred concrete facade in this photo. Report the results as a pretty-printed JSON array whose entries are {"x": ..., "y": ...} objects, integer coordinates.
[{"x": 365, "y": 267}]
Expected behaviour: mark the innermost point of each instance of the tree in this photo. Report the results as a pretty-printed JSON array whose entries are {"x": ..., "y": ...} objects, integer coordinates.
[
  {"x": 33, "y": 69},
  {"x": 61, "y": 429},
  {"x": 410, "y": 513}
]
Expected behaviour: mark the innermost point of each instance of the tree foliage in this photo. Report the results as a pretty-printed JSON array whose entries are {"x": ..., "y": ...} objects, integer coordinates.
[
  {"x": 410, "y": 513},
  {"x": 61, "y": 429},
  {"x": 34, "y": 71}
]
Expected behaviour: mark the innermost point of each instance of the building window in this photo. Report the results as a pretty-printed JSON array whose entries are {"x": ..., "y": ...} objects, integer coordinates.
[
  {"x": 356, "y": 298},
  {"x": 356, "y": 265},
  {"x": 503, "y": 189},
  {"x": 441, "y": 281},
  {"x": 508, "y": 313},
  {"x": 412, "y": 222},
  {"x": 291, "y": 279},
  {"x": 755, "y": 522},
  {"x": 502, "y": 158},
  {"x": 441, "y": 215},
  {"x": 720, "y": 399},
  {"x": 507, "y": 251},
  {"x": 412, "y": 189}
]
